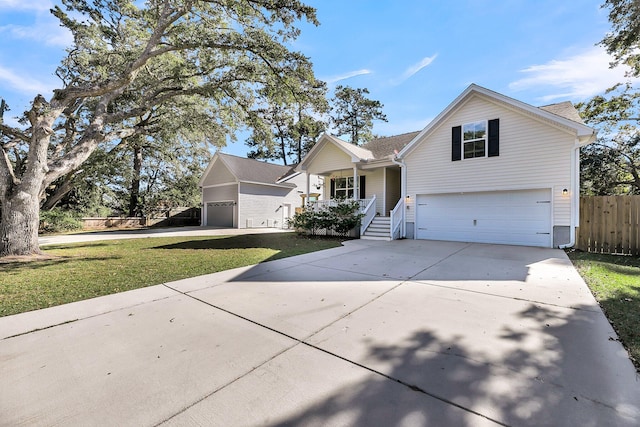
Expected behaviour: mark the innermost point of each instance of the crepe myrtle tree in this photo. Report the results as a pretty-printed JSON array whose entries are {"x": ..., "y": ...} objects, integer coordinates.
[{"x": 127, "y": 58}]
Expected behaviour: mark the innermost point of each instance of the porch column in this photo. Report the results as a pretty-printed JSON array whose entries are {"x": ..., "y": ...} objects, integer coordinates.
[
  {"x": 356, "y": 184},
  {"x": 308, "y": 188}
]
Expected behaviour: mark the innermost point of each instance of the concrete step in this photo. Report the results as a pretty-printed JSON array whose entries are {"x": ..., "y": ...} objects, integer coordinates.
[
  {"x": 382, "y": 220},
  {"x": 366, "y": 237},
  {"x": 378, "y": 228},
  {"x": 377, "y": 233}
]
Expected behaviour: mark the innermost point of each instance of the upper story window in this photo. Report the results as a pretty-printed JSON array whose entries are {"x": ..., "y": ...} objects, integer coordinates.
[
  {"x": 477, "y": 139},
  {"x": 474, "y": 139}
]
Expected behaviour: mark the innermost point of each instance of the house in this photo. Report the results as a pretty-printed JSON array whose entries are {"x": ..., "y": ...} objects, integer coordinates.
[
  {"x": 487, "y": 169},
  {"x": 245, "y": 193}
]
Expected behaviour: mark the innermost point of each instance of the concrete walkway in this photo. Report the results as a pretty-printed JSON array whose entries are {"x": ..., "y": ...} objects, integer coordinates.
[
  {"x": 93, "y": 236},
  {"x": 402, "y": 333}
]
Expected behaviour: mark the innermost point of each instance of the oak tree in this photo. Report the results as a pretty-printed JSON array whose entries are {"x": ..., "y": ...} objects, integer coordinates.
[{"x": 127, "y": 59}]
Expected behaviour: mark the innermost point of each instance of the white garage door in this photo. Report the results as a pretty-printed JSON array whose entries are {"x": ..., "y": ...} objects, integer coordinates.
[
  {"x": 220, "y": 214},
  {"x": 504, "y": 217}
]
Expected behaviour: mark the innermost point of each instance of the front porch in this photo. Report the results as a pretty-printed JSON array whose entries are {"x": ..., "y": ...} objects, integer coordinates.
[{"x": 373, "y": 226}]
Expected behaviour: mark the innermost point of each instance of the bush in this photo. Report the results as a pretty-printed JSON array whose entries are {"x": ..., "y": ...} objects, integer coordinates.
[
  {"x": 340, "y": 218},
  {"x": 58, "y": 220}
]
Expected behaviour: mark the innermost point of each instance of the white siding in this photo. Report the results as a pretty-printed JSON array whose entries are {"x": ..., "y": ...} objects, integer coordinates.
[
  {"x": 220, "y": 193},
  {"x": 261, "y": 204},
  {"x": 533, "y": 155},
  {"x": 374, "y": 184},
  {"x": 329, "y": 158},
  {"x": 218, "y": 174}
]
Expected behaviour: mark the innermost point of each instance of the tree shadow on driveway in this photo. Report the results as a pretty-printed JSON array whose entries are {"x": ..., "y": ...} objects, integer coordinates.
[{"x": 574, "y": 378}]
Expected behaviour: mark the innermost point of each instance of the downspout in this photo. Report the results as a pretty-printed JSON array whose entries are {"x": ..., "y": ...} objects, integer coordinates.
[
  {"x": 403, "y": 192},
  {"x": 575, "y": 195}
]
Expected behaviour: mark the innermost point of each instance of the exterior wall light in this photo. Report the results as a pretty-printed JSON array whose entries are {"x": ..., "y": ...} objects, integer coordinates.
[{"x": 565, "y": 192}]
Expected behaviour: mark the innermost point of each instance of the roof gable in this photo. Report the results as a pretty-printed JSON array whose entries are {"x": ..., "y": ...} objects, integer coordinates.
[
  {"x": 249, "y": 170},
  {"x": 557, "y": 115}
]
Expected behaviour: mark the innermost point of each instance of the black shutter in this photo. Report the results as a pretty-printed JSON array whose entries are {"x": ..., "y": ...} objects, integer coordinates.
[
  {"x": 362, "y": 189},
  {"x": 456, "y": 143},
  {"x": 332, "y": 193},
  {"x": 494, "y": 138}
]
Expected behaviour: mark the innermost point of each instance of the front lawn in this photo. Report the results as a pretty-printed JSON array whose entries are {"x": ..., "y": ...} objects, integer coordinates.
[
  {"x": 87, "y": 270},
  {"x": 615, "y": 282}
]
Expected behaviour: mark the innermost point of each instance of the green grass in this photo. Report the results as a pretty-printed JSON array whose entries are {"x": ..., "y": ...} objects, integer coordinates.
[
  {"x": 615, "y": 282},
  {"x": 87, "y": 270}
]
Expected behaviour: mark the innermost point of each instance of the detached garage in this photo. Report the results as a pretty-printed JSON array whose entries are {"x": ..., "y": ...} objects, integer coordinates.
[
  {"x": 505, "y": 217},
  {"x": 244, "y": 193}
]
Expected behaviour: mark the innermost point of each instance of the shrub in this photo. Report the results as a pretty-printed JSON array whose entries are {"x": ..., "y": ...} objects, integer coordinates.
[
  {"x": 340, "y": 218},
  {"x": 58, "y": 220}
]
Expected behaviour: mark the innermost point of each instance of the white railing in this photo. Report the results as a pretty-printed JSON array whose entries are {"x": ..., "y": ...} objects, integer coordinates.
[
  {"x": 397, "y": 216},
  {"x": 369, "y": 212},
  {"x": 319, "y": 204}
]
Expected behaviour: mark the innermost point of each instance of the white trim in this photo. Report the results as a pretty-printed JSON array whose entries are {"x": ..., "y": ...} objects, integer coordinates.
[
  {"x": 268, "y": 185},
  {"x": 293, "y": 175},
  {"x": 226, "y": 184}
]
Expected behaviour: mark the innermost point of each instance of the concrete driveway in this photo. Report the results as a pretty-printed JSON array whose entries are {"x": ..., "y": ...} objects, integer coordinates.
[{"x": 403, "y": 333}]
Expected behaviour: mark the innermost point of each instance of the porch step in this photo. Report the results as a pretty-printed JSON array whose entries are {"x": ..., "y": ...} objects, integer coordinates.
[{"x": 379, "y": 229}]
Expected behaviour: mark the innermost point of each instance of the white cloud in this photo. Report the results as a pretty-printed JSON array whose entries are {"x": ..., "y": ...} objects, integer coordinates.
[
  {"x": 45, "y": 28},
  {"x": 20, "y": 83},
  {"x": 576, "y": 77},
  {"x": 348, "y": 75},
  {"x": 409, "y": 72}
]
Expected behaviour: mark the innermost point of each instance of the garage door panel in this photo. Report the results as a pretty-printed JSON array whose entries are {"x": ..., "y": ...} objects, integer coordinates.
[
  {"x": 220, "y": 214},
  {"x": 506, "y": 217}
]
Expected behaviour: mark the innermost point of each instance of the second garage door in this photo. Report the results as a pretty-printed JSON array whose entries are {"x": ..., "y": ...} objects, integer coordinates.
[
  {"x": 220, "y": 214},
  {"x": 504, "y": 217}
]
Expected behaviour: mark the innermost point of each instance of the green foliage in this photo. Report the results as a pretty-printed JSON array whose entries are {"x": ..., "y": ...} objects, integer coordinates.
[
  {"x": 624, "y": 41},
  {"x": 611, "y": 165},
  {"x": 353, "y": 113},
  {"x": 165, "y": 72},
  {"x": 615, "y": 282},
  {"x": 58, "y": 221},
  {"x": 340, "y": 218}
]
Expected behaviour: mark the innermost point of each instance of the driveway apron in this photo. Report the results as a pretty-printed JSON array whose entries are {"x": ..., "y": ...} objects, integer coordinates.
[{"x": 409, "y": 333}]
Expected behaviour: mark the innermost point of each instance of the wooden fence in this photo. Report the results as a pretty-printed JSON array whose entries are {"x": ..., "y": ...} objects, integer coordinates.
[
  {"x": 609, "y": 224},
  {"x": 165, "y": 218}
]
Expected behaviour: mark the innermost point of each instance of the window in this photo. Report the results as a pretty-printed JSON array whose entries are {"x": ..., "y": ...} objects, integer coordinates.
[
  {"x": 343, "y": 188},
  {"x": 474, "y": 138},
  {"x": 477, "y": 139}
]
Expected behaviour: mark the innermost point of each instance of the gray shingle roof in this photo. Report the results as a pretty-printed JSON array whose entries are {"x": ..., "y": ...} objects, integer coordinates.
[
  {"x": 359, "y": 152},
  {"x": 250, "y": 170},
  {"x": 386, "y": 146},
  {"x": 564, "y": 109}
]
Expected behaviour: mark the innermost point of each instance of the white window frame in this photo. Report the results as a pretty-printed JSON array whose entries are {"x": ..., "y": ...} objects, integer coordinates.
[
  {"x": 345, "y": 189},
  {"x": 485, "y": 139}
]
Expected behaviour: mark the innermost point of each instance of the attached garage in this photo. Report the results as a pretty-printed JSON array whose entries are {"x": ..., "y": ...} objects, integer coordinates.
[
  {"x": 520, "y": 217},
  {"x": 220, "y": 214}
]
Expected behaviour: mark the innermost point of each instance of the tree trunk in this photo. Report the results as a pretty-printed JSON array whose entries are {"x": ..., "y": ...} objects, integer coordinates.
[
  {"x": 134, "y": 197},
  {"x": 19, "y": 222}
]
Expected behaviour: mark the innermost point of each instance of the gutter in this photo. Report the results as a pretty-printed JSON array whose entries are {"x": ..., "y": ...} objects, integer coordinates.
[{"x": 575, "y": 195}]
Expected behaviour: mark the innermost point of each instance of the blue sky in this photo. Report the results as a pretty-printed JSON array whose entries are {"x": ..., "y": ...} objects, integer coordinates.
[{"x": 415, "y": 56}]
